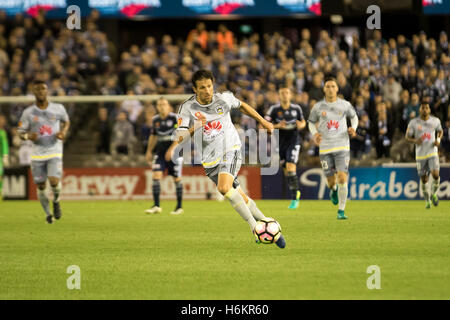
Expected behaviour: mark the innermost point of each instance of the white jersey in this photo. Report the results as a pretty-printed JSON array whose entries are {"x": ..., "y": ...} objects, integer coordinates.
[
  {"x": 427, "y": 130},
  {"x": 46, "y": 123},
  {"x": 332, "y": 118},
  {"x": 219, "y": 134}
]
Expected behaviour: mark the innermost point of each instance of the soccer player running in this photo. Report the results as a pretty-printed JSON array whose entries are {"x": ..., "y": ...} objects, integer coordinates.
[
  {"x": 288, "y": 118},
  {"x": 332, "y": 136},
  {"x": 422, "y": 132},
  {"x": 4, "y": 151},
  {"x": 46, "y": 125},
  {"x": 160, "y": 142},
  {"x": 221, "y": 146}
]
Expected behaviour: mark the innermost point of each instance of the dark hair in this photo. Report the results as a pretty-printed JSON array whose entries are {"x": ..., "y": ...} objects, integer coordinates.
[
  {"x": 38, "y": 81},
  {"x": 201, "y": 74},
  {"x": 329, "y": 78}
]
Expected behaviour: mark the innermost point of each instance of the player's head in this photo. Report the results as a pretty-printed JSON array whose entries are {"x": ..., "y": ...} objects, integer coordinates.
[
  {"x": 203, "y": 85},
  {"x": 40, "y": 90},
  {"x": 163, "y": 106},
  {"x": 424, "y": 109},
  {"x": 285, "y": 94},
  {"x": 330, "y": 87}
]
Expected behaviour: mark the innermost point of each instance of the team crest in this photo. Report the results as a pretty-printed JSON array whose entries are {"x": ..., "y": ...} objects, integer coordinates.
[
  {"x": 35, "y": 119},
  {"x": 419, "y": 127},
  {"x": 179, "y": 121},
  {"x": 280, "y": 113},
  {"x": 324, "y": 113},
  {"x": 219, "y": 110},
  {"x": 157, "y": 125}
]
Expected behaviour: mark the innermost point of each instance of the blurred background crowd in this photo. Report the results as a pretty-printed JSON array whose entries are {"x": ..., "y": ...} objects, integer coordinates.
[{"x": 384, "y": 78}]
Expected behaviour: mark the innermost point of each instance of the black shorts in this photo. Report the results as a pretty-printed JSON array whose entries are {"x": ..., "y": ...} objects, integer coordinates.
[
  {"x": 174, "y": 168},
  {"x": 289, "y": 152}
]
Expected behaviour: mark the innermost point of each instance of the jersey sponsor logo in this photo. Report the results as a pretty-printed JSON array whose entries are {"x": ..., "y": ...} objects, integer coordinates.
[
  {"x": 219, "y": 110},
  {"x": 212, "y": 128},
  {"x": 426, "y": 136},
  {"x": 333, "y": 125},
  {"x": 45, "y": 130}
]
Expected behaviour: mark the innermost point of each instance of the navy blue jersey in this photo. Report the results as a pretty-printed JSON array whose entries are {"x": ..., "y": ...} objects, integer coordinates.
[
  {"x": 163, "y": 129},
  {"x": 276, "y": 114}
]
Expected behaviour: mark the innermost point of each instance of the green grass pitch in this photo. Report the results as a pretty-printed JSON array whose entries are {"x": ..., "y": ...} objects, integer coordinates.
[{"x": 209, "y": 252}]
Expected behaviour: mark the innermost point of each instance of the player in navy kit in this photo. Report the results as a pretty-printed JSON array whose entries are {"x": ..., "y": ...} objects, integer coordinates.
[
  {"x": 159, "y": 153},
  {"x": 288, "y": 118}
]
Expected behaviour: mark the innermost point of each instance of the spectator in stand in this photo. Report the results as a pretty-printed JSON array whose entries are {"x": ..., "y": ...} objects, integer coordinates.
[
  {"x": 122, "y": 134},
  {"x": 133, "y": 108},
  {"x": 391, "y": 90},
  {"x": 225, "y": 38},
  {"x": 105, "y": 130},
  {"x": 383, "y": 143},
  {"x": 401, "y": 110},
  {"x": 361, "y": 143},
  {"x": 316, "y": 92},
  {"x": 412, "y": 110},
  {"x": 199, "y": 36}
]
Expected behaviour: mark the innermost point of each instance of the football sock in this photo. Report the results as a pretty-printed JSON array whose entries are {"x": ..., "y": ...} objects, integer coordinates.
[
  {"x": 434, "y": 185},
  {"x": 156, "y": 187},
  {"x": 342, "y": 193},
  {"x": 293, "y": 184},
  {"x": 238, "y": 203},
  {"x": 44, "y": 201},
  {"x": 179, "y": 189},
  {"x": 56, "y": 191},
  {"x": 256, "y": 213},
  {"x": 425, "y": 192}
]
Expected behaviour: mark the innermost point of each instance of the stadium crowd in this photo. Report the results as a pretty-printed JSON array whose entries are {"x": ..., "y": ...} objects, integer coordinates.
[{"x": 385, "y": 79}]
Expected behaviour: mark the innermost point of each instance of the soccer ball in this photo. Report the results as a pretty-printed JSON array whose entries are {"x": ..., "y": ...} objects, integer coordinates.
[{"x": 267, "y": 230}]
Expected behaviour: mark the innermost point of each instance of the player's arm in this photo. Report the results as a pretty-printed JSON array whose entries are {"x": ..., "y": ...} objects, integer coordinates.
[
  {"x": 152, "y": 140},
  {"x": 409, "y": 136},
  {"x": 353, "y": 126},
  {"x": 65, "y": 125},
  {"x": 24, "y": 129},
  {"x": 439, "y": 135},
  {"x": 312, "y": 121},
  {"x": 301, "y": 122},
  {"x": 248, "y": 110}
]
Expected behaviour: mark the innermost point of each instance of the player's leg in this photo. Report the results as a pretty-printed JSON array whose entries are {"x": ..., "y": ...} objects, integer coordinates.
[
  {"x": 158, "y": 167},
  {"x": 54, "y": 172},
  {"x": 175, "y": 170},
  {"x": 256, "y": 213},
  {"x": 436, "y": 180},
  {"x": 328, "y": 166},
  {"x": 293, "y": 184},
  {"x": 424, "y": 173},
  {"x": 39, "y": 172},
  {"x": 342, "y": 159}
]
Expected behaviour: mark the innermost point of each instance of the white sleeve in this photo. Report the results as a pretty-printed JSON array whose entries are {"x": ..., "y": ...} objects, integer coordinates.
[
  {"x": 232, "y": 101},
  {"x": 312, "y": 128},
  {"x": 354, "y": 121}
]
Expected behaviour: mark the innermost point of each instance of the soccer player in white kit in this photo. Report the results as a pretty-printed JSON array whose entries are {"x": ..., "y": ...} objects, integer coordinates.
[
  {"x": 422, "y": 132},
  {"x": 46, "y": 125},
  {"x": 332, "y": 136},
  {"x": 221, "y": 145}
]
